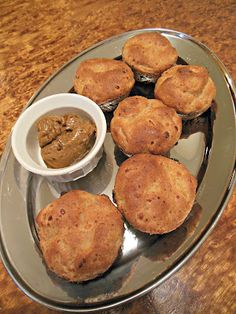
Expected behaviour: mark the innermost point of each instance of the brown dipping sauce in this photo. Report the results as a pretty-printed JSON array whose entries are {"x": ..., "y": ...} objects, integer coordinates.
[{"x": 65, "y": 139}]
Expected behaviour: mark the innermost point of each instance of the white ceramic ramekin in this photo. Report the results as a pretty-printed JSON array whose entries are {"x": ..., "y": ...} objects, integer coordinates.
[{"x": 25, "y": 143}]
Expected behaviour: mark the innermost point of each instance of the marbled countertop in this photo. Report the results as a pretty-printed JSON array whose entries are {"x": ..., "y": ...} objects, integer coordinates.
[{"x": 36, "y": 38}]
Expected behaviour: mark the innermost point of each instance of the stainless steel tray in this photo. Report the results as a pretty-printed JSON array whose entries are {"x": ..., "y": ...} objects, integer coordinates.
[{"x": 207, "y": 148}]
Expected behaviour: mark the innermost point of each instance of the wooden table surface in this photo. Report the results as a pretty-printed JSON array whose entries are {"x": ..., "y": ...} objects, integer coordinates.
[{"x": 36, "y": 38}]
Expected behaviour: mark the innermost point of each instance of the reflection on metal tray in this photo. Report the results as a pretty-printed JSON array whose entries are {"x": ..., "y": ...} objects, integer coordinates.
[{"x": 206, "y": 147}]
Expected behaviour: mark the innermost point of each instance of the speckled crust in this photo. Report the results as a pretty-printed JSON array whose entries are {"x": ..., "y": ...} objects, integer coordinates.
[
  {"x": 34, "y": 52},
  {"x": 187, "y": 88},
  {"x": 154, "y": 193},
  {"x": 103, "y": 80},
  {"x": 142, "y": 125},
  {"x": 80, "y": 235},
  {"x": 149, "y": 53}
]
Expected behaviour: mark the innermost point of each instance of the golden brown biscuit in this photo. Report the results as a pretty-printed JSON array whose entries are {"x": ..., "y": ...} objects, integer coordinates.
[
  {"x": 149, "y": 54},
  {"x": 187, "y": 88},
  {"x": 154, "y": 193},
  {"x": 105, "y": 81},
  {"x": 142, "y": 125},
  {"x": 80, "y": 235}
]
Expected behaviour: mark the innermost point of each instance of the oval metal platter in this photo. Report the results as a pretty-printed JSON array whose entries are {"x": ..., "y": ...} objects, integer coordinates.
[{"x": 207, "y": 148}]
